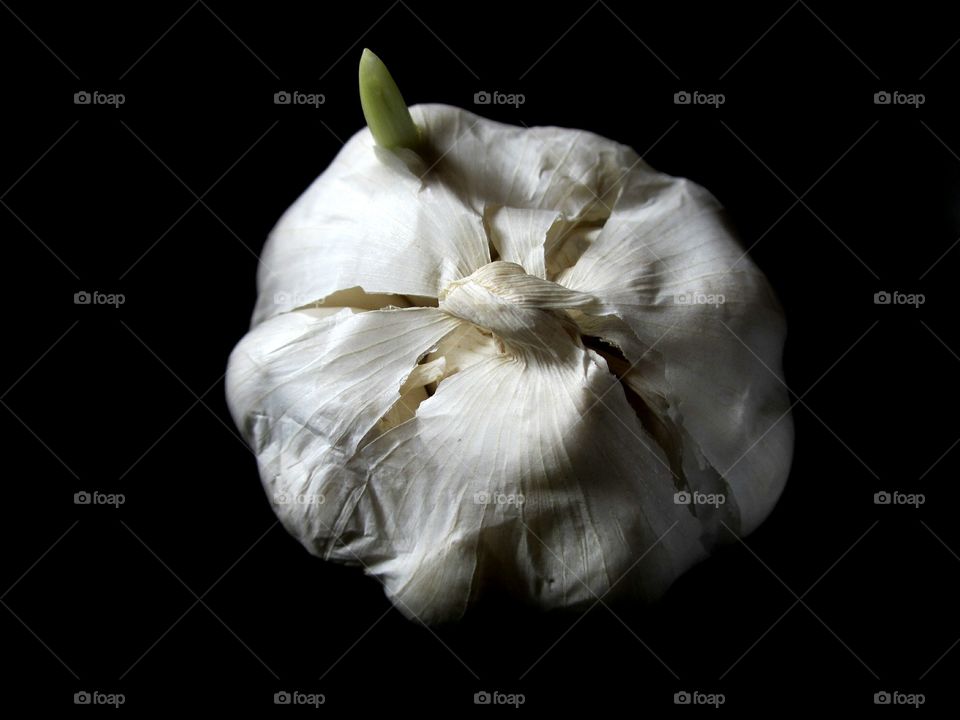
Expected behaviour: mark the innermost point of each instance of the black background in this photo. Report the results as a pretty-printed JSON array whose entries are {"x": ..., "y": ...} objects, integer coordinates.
[{"x": 131, "y": 400}]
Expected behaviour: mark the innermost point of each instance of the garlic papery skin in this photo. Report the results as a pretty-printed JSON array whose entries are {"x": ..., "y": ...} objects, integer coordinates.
[
  {"x": 520, "y": 310},
  {"x": 472, "y": 368}
]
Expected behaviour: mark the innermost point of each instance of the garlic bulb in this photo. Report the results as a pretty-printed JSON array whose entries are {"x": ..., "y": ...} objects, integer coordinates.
[{"x": 487, "y": 357}]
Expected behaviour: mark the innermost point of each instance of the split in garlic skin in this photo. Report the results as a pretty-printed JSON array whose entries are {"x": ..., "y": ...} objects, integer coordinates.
[{"x": 479, "y": 361}]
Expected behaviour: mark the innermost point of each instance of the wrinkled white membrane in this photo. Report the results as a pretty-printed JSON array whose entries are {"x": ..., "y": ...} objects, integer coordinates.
[{"x": 431, "y": 381}]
